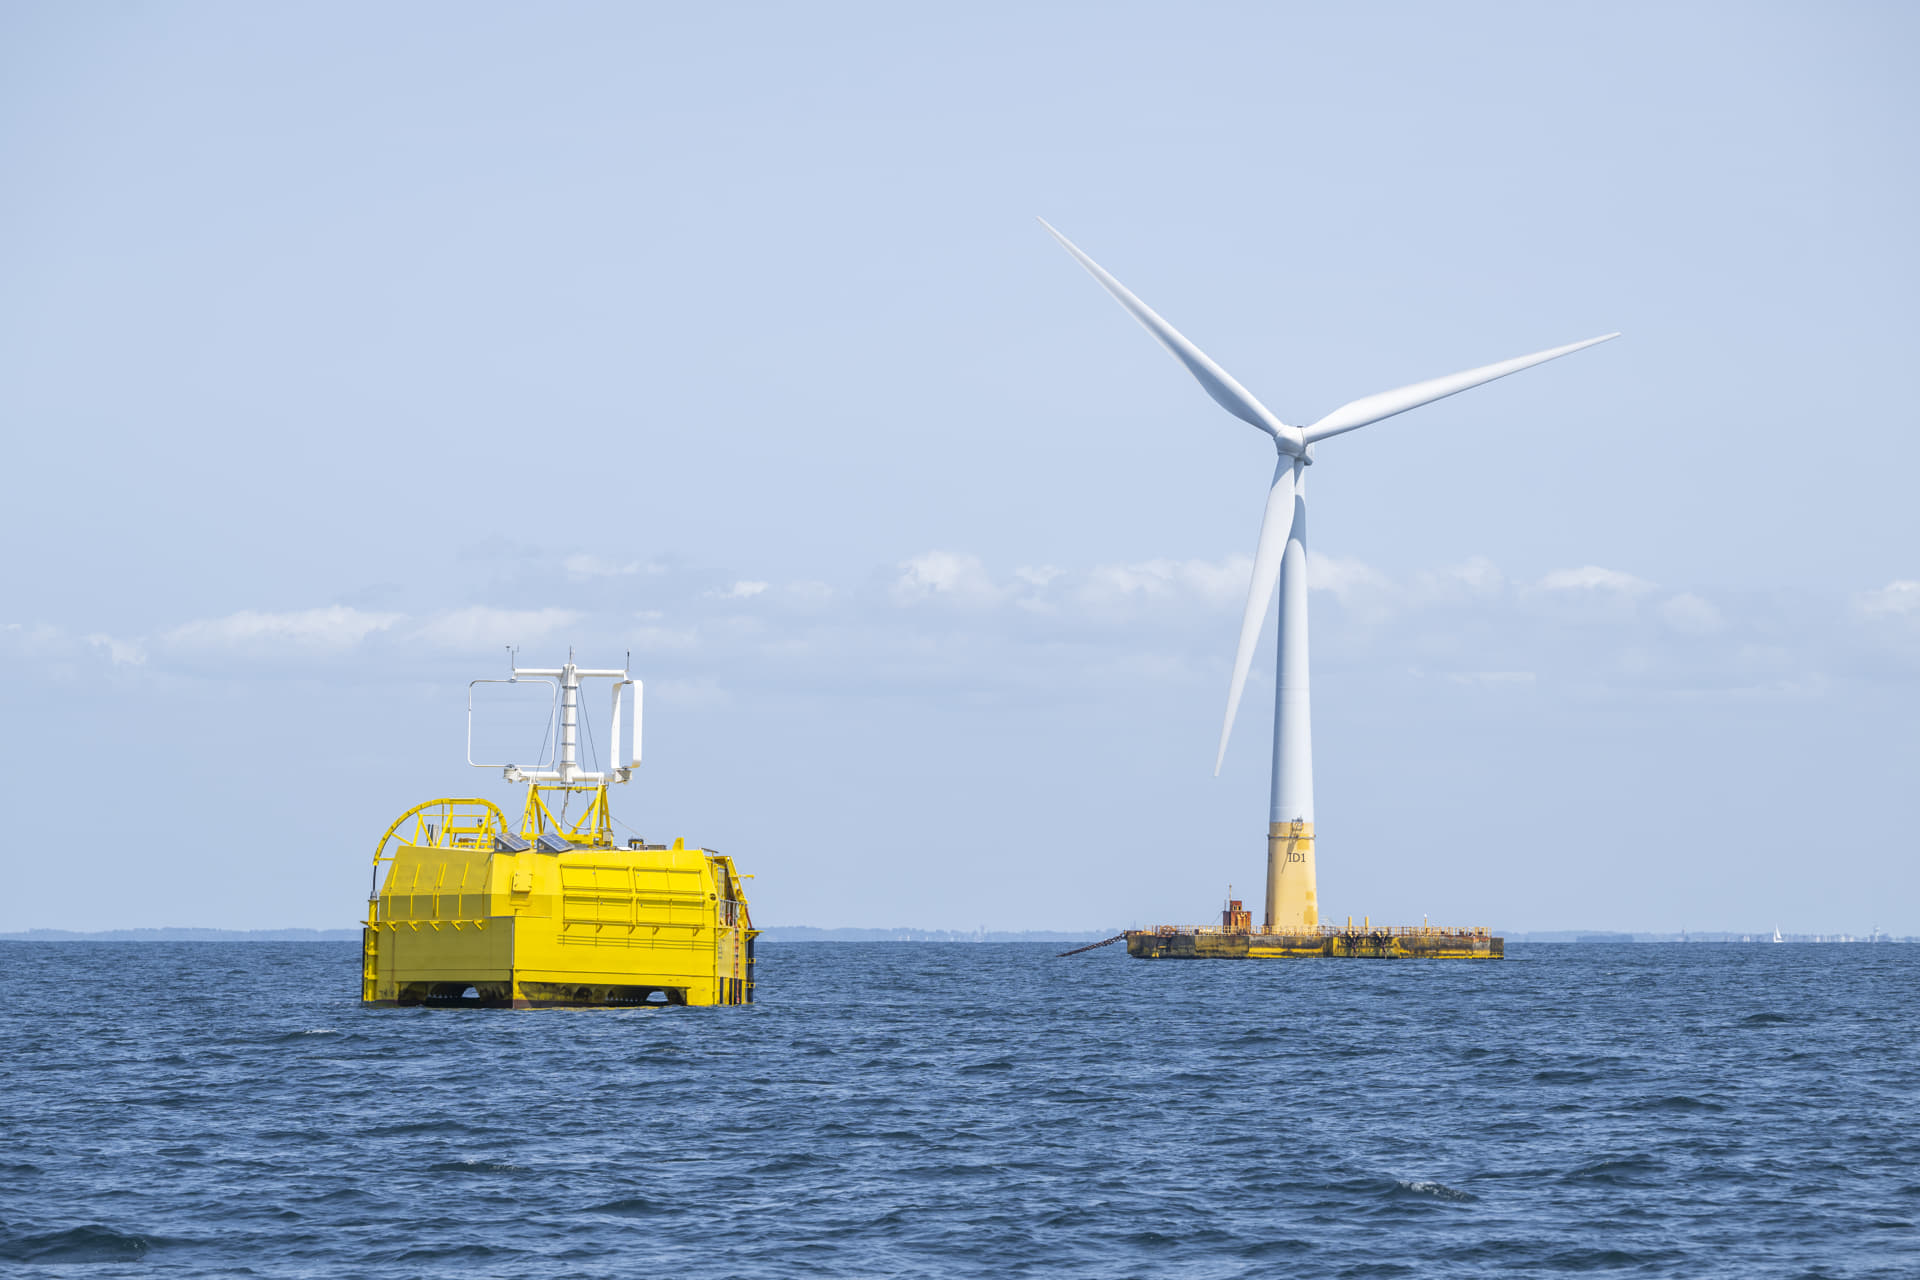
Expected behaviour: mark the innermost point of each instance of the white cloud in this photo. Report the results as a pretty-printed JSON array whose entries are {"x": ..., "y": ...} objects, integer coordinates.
[
  {"x": 481, "y": 627},
  {"x": 1347, "y": 580},
  {"x": 1111, "y": 582},
  {"x": 1690, "y": 615},
  {"x": 1037, "y": 577},
  {"x": 1898, "y": 599},
  {"x": 583, "y": 566},
  {"x": 1479, "y": 574},
  {"x": 36, "y": 640},
  {"x": 945, "y": 575},
  {"x": 333, "y": 628},
  {"x": 122, "y": 653},
  {"x": 1216, "y": 583},
  {"x": 1475, "y": 576},
  {"x": 739, "y": 591},
  {"x": 1593, "y": 578}
]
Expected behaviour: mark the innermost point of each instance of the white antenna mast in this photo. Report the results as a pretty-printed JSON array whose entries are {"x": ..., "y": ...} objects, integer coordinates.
[{"x": 564, "y": 767}]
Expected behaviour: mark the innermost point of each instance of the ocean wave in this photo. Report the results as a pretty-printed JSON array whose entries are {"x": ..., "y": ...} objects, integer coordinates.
[
  {"x": 1622, "y": 1170},
  {"x": 76, "y": 1245},
  {"x": 633, "y": 1207},
  {"x": 1426, "y": 1189},
  {"x": 1676, "y": 1102},
  {"x": 476, "y": 1166}
]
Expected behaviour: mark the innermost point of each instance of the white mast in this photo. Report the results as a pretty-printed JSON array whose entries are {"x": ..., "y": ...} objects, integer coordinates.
[
  {"x": 565, "y": 767},
  {"x": 1292, "y": 897}
]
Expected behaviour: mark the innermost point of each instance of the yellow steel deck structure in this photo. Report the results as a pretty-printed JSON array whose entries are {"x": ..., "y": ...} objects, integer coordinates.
[
  {"x": 1367, "y": 942},
  {"x": 556, "y": 913}
]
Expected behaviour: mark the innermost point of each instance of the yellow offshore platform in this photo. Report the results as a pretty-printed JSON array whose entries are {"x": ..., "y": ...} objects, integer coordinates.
[
  {"x": 1236, "y": 938},
  {"x": 475, "y": 912}
]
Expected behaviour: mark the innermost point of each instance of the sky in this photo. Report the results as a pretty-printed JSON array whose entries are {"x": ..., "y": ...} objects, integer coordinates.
[{"x": 343, "y": 346}]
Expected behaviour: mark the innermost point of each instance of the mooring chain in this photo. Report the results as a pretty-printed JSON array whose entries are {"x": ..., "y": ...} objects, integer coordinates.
[{"x": 1105, "y": 942}]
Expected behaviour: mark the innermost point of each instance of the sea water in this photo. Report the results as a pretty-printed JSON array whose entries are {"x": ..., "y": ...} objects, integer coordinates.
[{"x": 902, "y": 1109}]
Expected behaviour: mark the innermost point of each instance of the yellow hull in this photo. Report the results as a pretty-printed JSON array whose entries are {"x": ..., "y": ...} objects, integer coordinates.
[{"x": 469, "y": 924}]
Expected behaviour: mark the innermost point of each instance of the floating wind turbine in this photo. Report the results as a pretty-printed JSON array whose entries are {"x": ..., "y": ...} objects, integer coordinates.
[{"x": 1280, "y": 558}]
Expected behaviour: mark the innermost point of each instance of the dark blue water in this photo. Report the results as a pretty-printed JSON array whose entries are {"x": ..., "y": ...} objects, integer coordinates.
[{"x": 973, "y": 1110}]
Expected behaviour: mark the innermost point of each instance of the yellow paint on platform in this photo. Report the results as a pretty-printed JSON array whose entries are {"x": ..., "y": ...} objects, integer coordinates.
[
  {"x": 1292, "y": 902},
  {"x": 1208, "y": 943},
  {"x": 595, "y": 925}
]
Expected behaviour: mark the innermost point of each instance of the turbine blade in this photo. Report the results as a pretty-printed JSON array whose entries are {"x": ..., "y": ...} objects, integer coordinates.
[
  {"x": 1372, "y": 408},
  {"x": 1275, "y": 525},
  {"x": 1218, "y": 383}
]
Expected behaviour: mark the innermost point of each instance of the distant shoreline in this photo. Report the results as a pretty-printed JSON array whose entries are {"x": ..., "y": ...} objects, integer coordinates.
[{"x": 808, "y": 933}]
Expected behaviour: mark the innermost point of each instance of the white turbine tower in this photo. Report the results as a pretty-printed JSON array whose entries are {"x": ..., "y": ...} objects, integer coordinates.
[{"x": 1280, "y": 557}]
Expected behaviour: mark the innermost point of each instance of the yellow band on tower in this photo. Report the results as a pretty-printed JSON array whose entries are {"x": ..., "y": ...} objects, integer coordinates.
[{"x": 1291, "y": 899}]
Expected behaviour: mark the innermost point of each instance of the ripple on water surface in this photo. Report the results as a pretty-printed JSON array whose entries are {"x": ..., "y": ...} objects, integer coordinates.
[{"x": 973, "y": 1110}]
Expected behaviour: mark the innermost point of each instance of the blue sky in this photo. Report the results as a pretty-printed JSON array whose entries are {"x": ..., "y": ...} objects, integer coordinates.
[{"x": 342, "y": 346}]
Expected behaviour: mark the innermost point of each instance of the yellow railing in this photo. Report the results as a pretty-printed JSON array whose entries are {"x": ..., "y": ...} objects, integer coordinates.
[
  {"x": 442, "y": 824},
  {"x": 593, "y": 826}
]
